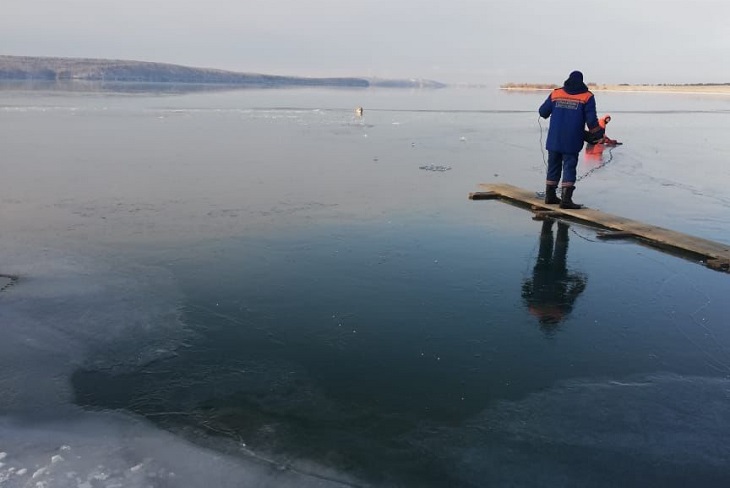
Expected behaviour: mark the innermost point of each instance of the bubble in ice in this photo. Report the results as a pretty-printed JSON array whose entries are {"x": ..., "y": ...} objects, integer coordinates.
[{"x": 434, "y": 167}]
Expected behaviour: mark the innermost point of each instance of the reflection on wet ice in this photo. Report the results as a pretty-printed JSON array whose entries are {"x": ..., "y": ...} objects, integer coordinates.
[{"x": 552, "y": 290}]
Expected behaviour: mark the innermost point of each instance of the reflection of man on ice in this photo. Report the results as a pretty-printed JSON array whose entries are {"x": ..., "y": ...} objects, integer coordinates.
[{"x": 552, "y": 291}]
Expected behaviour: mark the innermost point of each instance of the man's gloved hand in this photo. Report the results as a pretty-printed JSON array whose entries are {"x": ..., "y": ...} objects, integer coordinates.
[{"x": 593, "y": 136}]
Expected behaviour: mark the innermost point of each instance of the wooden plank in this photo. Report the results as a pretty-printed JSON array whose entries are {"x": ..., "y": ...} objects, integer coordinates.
[
  {"x": 717, "y": 252},
  {"x": 615, "y": 234},
  {"x": 542, "y": 214},
  {"x": 719, "y": 264},
  {"x": 546, "y": 213},
  {"x": 483, "y": 195}
]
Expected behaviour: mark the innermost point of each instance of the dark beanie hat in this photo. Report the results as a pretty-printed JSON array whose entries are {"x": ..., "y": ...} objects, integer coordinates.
[
  {"x": 575, "y": 77},
  {"x": 574, "y": 84}
]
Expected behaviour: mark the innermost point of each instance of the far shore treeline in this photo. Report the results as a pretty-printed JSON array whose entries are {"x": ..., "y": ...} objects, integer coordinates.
[
  {"x": 723, "y": 88},
  {"x": 46, "y": 69}
]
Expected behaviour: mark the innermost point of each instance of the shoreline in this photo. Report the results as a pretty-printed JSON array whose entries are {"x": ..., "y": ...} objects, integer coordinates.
[{"x": 675, "y": 89}]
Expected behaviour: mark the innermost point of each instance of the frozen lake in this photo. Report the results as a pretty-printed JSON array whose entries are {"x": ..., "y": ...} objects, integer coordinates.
[{"x": 259, "y": 288}]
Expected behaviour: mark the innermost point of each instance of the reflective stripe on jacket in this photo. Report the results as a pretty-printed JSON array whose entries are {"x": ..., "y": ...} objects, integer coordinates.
[{"x": 569, "y": 113}]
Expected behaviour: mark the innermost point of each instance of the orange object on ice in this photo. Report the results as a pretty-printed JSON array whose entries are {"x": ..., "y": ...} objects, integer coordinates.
[
  {"x": 604, "y": 120},
  {"x": 602, "y": 123},
  {"x": 594, "y": 154}
]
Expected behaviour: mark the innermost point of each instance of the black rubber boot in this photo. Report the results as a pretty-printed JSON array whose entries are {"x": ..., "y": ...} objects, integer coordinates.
[
  {"x": 550, "y": 196},
  {"x": 567, "y": 198}
]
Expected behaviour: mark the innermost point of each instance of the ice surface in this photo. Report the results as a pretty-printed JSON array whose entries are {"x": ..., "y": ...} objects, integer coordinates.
[
  {"x": 66, "y": 311},
  {"x": 109, "y": 450},
  {"x": 5, "y": 282},
  {"x": 148, "y": 174},
  {"x": 578, "y": 433},
  {"x": 661, "y": 430}
]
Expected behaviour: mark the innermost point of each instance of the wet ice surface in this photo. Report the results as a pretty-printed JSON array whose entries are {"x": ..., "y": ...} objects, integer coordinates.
[
  {"x": 290, "y": 299},
  {"x": 666, "y": 429},
  {"x": 6, "y": 282},
  {"x": 205, "y": 163},
  {"x": 113, "y": 451},
  {"x": 70, "y": 312}
]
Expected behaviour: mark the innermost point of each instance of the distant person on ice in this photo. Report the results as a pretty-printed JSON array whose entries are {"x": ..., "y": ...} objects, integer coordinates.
[
  {"x": 570, "y": 109},
  {"x": 603, "y": 122},
  {"x": 594, "y": 150}
]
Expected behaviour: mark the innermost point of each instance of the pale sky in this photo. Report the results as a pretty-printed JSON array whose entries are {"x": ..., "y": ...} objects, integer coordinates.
[{"x": 474, "y": 41}]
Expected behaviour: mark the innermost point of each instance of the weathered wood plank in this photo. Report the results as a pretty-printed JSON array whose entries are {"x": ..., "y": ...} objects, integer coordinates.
[
  {"x": 615, "y": 234},
  {"x": 719, "y": 264},
  {"x": 542, "y": 214},
  {"x": 718, "y": 252},
  {"x": 483, "y": 195}
]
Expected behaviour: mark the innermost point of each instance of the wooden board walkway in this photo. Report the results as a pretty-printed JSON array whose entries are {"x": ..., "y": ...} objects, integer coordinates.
[{"x": 715, "y": 255}]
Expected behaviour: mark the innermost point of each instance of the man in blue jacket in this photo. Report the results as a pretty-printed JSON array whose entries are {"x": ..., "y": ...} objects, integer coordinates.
[{"x": 570, "y": 108}]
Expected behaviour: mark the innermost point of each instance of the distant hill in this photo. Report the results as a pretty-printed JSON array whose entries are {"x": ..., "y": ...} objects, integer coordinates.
[{"x": 24, "y": 68}]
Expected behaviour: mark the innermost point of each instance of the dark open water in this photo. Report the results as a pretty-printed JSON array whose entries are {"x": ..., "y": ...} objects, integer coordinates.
[{"x": 257, "y": 288}]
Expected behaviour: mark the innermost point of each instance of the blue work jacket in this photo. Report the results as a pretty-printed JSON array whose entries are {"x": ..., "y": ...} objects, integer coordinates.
[{"x": 569, "y": 113}]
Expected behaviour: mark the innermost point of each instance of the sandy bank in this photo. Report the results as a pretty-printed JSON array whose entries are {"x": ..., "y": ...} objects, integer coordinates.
[{"x": 685, "y": 89}]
